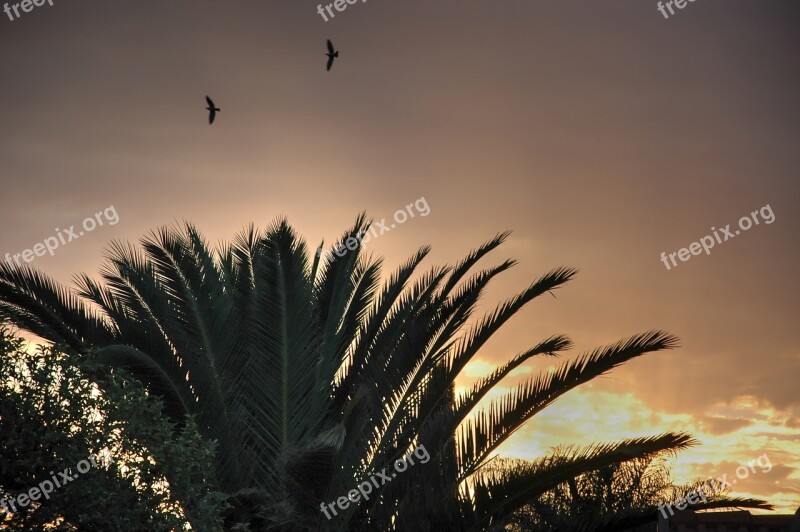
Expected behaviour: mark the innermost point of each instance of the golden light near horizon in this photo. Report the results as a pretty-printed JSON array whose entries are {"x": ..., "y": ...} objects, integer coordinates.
[{"x": 743, "y": 427}]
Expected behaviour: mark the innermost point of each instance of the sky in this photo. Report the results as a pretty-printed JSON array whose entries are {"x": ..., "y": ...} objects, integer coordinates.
[{"x": 601, "y": 133}]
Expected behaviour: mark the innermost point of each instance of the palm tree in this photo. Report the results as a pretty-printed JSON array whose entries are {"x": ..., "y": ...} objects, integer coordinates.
[
  {"x": 624, "y": 496},
  {"x": 311, "y": 375}
]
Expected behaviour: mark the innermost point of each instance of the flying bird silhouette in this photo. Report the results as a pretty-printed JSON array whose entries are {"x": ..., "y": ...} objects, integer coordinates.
[
  {"x": 331, "y": 54},
  {"x": 212, "y": 110}
]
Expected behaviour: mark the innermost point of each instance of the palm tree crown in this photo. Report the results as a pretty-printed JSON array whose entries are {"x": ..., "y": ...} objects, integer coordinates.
[{"x": 311, "y": 374}]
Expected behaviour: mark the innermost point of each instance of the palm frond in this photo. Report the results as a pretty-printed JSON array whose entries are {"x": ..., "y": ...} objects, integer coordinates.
[{"x": 497, "y": 495}]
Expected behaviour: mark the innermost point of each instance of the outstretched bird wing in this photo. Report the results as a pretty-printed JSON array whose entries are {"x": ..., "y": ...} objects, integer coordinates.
[
  {"x": 210, "y": 103},
  {"x": 212, "y": 113},
  {"x": 330, "y": 62},
  {"x": 330, "y": 47}
]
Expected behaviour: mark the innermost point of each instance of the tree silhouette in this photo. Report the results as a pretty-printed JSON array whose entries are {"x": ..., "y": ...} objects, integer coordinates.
[{"x": 311, "y": 375}]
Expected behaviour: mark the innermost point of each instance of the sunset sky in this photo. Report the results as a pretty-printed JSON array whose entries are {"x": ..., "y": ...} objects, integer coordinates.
[{"x": 599, "y": 132}]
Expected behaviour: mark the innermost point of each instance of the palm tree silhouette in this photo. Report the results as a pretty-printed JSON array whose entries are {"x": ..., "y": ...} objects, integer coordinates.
[{"x": 312, "y": 375}]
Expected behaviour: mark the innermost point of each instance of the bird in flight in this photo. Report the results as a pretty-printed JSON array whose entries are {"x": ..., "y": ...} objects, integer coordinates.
[
  {"x": 331, "y": 54},
  {"x": 212, "y": 110}
]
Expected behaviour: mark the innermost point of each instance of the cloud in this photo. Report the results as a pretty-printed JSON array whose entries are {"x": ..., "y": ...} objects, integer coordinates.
[
  {"x": 757, "y": 475},
  {"x": 730, "y": 434},
  {"x": 721, "y": 425}
]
